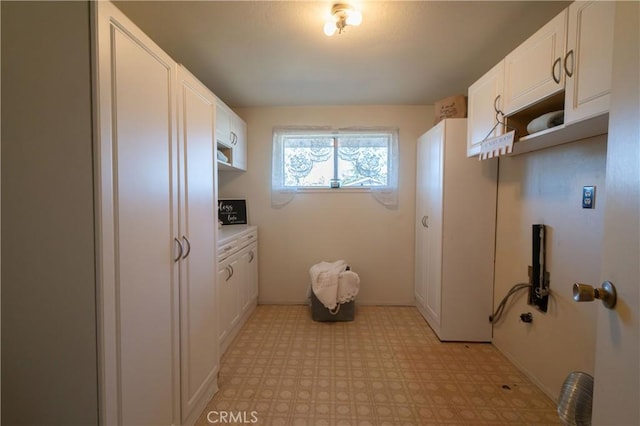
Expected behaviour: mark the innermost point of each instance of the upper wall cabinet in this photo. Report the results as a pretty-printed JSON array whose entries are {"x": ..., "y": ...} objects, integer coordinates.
[
  {"x": 485, "y": 109},
  {"x": 231, "y": 136},
  {"x": 239, "y": 141},
  {"x": 533, "y": 71},
  {"x": 589, "y": 59},
  {"x": 564, "y": 67}
]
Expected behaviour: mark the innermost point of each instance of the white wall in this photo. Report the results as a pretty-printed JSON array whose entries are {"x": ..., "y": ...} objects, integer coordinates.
[
  {"x": 49, "y": 359},
  {"x": 377, "y": 242},
  {"x": 546, "y": 187}
]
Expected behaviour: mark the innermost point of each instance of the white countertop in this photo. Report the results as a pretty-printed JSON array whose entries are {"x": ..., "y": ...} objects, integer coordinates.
[{"x": 229, "y": 232}]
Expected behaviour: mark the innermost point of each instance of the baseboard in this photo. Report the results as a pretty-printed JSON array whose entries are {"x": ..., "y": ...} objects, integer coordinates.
[
  {"x": 358, "y": 302},
  {"x": 551, "y": 394},
  {"x": 204, "y": 401}
]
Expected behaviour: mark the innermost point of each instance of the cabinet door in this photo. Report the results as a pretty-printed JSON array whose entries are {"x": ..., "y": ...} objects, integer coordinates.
[
  {"x": 243, "y": 281},
  {"x": 485, "y": 107},
  {"x": 252, "y": 273},
  {"x": 239, "y": 141},
  {"x": 249, "y": 277},
  {"x": 434, "y": 222},
  {"x": 533, "y": 71},
  {"x": 137, "y": 224},
  {"x": 228, "y": 297},
  {"x": 223, "y": 124},
  {"x": 589, "y": 59},
  {"x": 198, "y": 316},
  {"x": 422, "y": 180}
]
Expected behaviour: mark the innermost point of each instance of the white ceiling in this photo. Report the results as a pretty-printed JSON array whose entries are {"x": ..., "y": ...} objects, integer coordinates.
[{"x": 274, "y": 53}]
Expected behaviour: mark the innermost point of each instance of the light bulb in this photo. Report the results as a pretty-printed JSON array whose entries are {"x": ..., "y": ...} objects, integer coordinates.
[
  {"x": 330, "y": 28},
  {"x": 354, "y": 18}
]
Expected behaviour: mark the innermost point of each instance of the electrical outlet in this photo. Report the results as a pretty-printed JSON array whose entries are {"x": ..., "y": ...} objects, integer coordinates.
[{"x": 588, "y": 197}]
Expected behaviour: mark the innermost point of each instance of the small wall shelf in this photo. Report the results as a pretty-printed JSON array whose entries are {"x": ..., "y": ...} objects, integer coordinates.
[{"x": 562, "y": 134}]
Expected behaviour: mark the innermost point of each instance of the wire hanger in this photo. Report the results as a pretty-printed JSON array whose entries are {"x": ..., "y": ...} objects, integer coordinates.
[{"x": 499, "y": 122}]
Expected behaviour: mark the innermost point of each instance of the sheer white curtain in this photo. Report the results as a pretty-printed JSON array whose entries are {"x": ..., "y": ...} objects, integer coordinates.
[
  {"x": 388, "y": 195},
  {"x": 281, "y": 195}
]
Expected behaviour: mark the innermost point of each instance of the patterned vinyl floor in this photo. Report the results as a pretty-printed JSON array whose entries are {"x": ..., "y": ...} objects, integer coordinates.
[{"x": 384, "y": 368}]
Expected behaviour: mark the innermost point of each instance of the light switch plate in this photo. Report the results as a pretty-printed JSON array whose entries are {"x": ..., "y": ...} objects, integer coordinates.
[{"x": 588, "y": 197}]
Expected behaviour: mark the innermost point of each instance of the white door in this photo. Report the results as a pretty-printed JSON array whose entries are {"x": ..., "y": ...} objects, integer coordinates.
[
  {"x": 434, "y": 221},
  {"x": 198, "y": 316},
  {"x": 137, "y": 222},
  {"x": 617, "y": 366},
  {"x": 589, "y": 59}
]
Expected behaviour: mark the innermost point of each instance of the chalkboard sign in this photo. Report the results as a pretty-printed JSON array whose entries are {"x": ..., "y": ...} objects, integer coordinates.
[{"x": 232, "y": 212}]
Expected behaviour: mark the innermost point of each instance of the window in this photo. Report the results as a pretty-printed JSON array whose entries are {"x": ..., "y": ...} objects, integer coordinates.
[
  {"x": 316, "y": 161},
  {"x": 323, "y": 159}
]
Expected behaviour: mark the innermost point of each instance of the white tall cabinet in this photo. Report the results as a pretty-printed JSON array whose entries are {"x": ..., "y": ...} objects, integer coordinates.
[
  {"x": 199, "y": 352},
  {"x": 155, "y": 230},
  {"x": 455, "y": 234}
]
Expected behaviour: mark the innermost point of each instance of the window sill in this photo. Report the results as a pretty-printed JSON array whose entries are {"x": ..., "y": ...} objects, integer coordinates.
[{"x": 350, "y": 189}]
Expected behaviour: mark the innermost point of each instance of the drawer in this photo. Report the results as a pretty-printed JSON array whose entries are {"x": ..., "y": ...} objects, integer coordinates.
[
  {"x": 228, "y": 249},
  {"x": 247, "y": 239}
]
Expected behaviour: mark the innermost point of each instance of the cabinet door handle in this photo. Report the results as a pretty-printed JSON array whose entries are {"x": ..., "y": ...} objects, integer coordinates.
[
  {"x": 180, "y": 250},
  {"x": 186, "y": 240},
  {"x": 251, "y": 256},
  {"x": 553, "y": 70},
  {"x": 566, "y": 69},
  {"x": 229, "y": 269},
  {"x": 495, "y": 105}
]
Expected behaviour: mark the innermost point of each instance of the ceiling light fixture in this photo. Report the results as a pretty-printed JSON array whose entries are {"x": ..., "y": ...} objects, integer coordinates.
[{"x": 341, "y": 16}]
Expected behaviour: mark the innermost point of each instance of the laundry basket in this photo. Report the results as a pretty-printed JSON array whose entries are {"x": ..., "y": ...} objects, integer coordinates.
[
  {"x": 343, "y": 312},
  {"x": 576, "y": 397},
  {"x": 339, "y": 276}
]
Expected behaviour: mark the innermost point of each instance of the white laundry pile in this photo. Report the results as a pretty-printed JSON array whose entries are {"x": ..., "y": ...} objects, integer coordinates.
[{"x": 333, "y": 283}]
